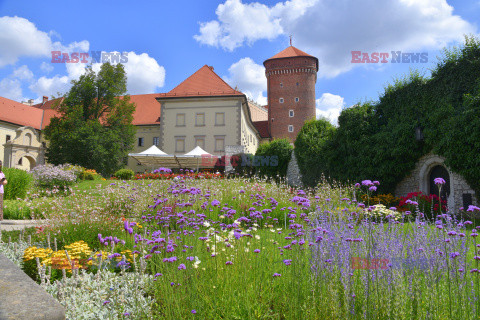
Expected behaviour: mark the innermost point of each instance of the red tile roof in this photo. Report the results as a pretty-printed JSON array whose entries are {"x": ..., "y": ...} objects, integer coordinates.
[
  {"x": 262, "y": 128},
  {"x": 147, "y": 109},
  {"x": 291, "y": 52},
  {"x": 20, "y": 114},
  {"x": 49, "y": 104},
  {"x": 204, "y": 82}
]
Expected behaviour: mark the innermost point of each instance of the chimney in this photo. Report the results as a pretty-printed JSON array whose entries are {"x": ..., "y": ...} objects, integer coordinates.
[
  {"x": 45, "y": 99},
  {"x": 211, "y": 67}
]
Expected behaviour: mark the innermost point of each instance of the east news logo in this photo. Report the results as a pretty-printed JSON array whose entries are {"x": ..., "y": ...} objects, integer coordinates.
[
  {"x": 96, "y": 57},
  {"x": 382, "y": 57}
]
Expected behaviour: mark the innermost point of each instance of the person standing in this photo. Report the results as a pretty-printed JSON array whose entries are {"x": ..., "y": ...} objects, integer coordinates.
[{"x": 3, "y": 181}]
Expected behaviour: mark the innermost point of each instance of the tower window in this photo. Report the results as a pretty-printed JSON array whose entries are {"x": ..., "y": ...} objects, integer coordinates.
[
  {"x": 297, "y": 99},
  {"x": 290, "y": 128},
  {"x": 281, "y": 84},
  {"x": 281, "y": 100},
  {"x": 298, "y": 83},
  {"x": 290, "y": 113}
]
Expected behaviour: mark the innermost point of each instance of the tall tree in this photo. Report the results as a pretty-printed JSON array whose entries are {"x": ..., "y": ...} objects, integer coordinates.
[{"x": 95, "y": 128}]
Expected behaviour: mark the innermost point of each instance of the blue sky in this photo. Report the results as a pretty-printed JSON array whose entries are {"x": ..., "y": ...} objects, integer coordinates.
[{"x": 167, "y": 41}]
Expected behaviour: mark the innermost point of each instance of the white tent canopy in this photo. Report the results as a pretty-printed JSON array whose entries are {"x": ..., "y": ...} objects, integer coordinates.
[
  {"x": 152, "y": 151},
  {"x": 195, "y": 159},
  {"x": 155, "y": 157},
  {"x": 197, "y": 152}
]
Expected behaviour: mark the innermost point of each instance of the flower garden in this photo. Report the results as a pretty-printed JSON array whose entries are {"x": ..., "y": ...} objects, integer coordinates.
[{"x": 206, "y": 247}]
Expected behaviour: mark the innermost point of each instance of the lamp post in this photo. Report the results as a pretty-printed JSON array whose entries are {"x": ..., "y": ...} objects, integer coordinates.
[{"x": 419, "y": 133}]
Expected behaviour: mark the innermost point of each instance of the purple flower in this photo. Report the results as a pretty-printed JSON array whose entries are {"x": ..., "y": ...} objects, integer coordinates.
[
  {"x": 256, "y": 250},
  {"x": 287, "y": 262},
  {"x": 473, "y": 208},
  {"x": 106, "y": 302},
  {"x": 182, "y": 267},
  {"x": 372, "y": 188},
  {"x": 277, "y": 275},
  {"x": 194, "y": 311},
  {"x": 171, "y": 259},
  {"x": 229, "y": 263},
  {"x": 367, "y": 183},
  {"x": 439, "y": 181}
]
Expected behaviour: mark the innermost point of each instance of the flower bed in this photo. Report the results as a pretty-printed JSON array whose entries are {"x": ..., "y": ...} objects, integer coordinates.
[{"x": 240, "y": 249}]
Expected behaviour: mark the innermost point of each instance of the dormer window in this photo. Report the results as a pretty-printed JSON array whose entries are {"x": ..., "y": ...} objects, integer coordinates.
[{"x": 281, "y": 100}]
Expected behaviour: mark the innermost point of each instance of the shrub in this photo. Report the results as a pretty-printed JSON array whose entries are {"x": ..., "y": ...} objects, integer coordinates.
[
  {"x": 242, "y": 164},
  {"x": 19, "y": 181},
  {"x": 49, "y": 176},
  {"x": 272, "y": 158},
  {"x": 311, "y": 149},
  {"x": 124, "y": 174}
]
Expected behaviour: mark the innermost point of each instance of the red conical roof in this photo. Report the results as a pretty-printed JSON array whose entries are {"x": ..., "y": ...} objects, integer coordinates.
[{"x": 291, "y": 52}]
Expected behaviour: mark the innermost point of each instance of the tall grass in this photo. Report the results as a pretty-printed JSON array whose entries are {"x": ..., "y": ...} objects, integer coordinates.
[{"x": 19, "y": 182}]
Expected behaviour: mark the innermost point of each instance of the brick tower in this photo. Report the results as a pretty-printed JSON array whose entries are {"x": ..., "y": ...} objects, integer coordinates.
[{"x": 291, "y": 77}]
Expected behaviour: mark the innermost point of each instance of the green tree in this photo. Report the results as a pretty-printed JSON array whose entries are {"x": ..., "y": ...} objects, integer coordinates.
[
  {"x": 312, "y": 149},
  {"x": 272, "y": 158},
  {"x": 95, "y": 128}
]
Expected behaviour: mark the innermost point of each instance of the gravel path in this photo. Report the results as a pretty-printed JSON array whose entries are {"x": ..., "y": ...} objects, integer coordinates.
[{"x": 8, "y": 225}]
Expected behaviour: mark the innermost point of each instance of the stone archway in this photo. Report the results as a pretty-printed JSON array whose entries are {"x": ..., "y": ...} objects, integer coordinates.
[
  {"x": 26, "y": 162},
  {"x": 431, "y": 167},
  {"x": 456, "y": 190},
  {"x": 439, "y": 171}
]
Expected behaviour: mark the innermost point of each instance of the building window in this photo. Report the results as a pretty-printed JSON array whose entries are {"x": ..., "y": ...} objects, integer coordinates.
[
  {"x": 180, "y": 144},
  {"x": 297, "y": 99},
  {"x": 140, "y": 142},
  {"x": 281, "y": 100},
  {"x": 219, "y": 143},
  {"x": 290, "y": 113},
  {"x": 219, "y": 118},
  {"x": 180, "y": 119},
  {"x": 156, "y": 140},
  {"x": 8, "y": 138},
  {"x": 298, "y": 83},
  {"x": 290, "y": 128},
  {"x": 281, "y": 84},
  {"x": 200, "y": 141},
  {"x": 20, "y": 162},
  {"x": 200, "y": 119}
]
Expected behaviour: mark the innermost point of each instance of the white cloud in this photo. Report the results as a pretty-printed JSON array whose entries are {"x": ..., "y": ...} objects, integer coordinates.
[
  {"x": 250, "y": 79},
  {"x": 23, "y": 73},
  {"x": 144, "y": 74},
  {"x": 330, "y": 32},
  {"x": 19, "y": 37},
  {"x": 11, "y": 89},
  {"x": 46, "y": 67},
  {"x": 238, "y": 23},
  {"x": 329, "y": 106},
  {"x": 51, "y": 86}
]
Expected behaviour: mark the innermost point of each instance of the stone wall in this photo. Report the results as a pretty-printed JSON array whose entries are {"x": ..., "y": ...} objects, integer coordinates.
[
  {"x": 294, "y": 177},
  {"x": 418, "y": 181}
]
